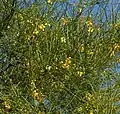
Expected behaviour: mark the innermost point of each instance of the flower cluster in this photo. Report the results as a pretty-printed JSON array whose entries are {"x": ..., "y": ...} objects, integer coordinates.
[
  {"x": 115, "y": 48},
  {"x": 67, "y": 63},
  {"x": 38, "y": 96},
  {"x": 90, "y": 26},
  {"x": 42, "y": 27},
  {"x": 89, "y": 23},
  {"x": 89, "y": 96}
]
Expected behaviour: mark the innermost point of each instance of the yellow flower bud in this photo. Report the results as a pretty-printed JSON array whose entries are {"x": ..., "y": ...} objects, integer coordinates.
[
  {"x": 65, "y": 21},
  {"x": 80, "y": 73},
  {"x": 49, "y": 1},
  {"x": 91, "y": 112}
]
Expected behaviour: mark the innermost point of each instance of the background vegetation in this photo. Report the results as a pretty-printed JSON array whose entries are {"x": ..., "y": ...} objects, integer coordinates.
[{"x": 59, "y": 57}]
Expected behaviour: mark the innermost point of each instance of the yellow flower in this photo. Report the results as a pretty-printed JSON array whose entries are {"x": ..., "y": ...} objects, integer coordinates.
[
  {"x": 90, "y": 52},
  {"x": 63, "y": 40},
  {"x": 28, "y": 37},
  {"x": 81, "y": 49},
  {"x": 48, "y": 67},
  {"x": 80, "y": 73},
  {"x": 33, "y": 84},
  {"x": 115, "y": 48},
  {"x": 91, "y": 112},
  {"x": 114, "y": 108},
  {"x": 65, "y": 21},
  {"x": 118, "y": 60},
  {"x": 8, "y": 27},
  {"x": 32, "y": 24},
  {"x": 98, "y": 29},
  {"x": 89, "y": 23},
  {"x": 67, "y": 63},
  {"x": 42, "y": 27},
  {"x": 112, "y": 54},
  {"x": 49, "y": 1},
  {"x": 38, "y": 96},
  {"x": 116, "y": 26},
  {"x": 90, "y": 29},
  {"x": 47, "y": 24},
  {"x": 79, "y": 10},
  {"x": 35, "y": 31},
  {"x": 7, "y": 106},
  {"x": 90, "y": 26},
  {"x": 89, "y": 96}
]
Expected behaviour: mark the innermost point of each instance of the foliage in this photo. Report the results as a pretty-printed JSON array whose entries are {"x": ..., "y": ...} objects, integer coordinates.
[{"x": 54, "y": 63}]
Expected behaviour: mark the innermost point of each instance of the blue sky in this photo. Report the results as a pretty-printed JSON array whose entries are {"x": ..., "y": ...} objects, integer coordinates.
[
  {"x": 95, "y": 8},
  {"x": 115, "y": 4}
]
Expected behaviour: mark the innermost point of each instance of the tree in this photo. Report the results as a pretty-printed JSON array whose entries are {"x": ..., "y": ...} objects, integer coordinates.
[{"x": 57, "y": 60}]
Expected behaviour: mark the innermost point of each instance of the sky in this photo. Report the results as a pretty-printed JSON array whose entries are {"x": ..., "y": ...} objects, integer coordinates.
[
  {"x": 115, "y": 4},
  {"x": 96, "y": 9}
]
